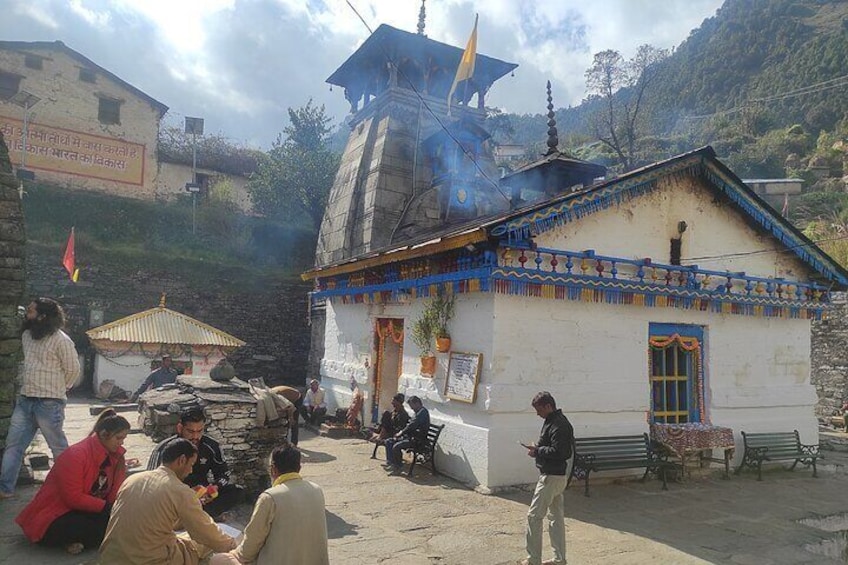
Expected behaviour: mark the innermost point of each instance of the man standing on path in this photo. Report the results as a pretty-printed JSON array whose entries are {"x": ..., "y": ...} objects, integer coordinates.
[
  {"x": 51, "y": 366},
  {"x": 151, "y": 505},
  {"x": 415, "y": 433},
  {"x": 165, "y": 374},
  {"x": 551, "y": 453},
  {"x": 289, "y": 524}
]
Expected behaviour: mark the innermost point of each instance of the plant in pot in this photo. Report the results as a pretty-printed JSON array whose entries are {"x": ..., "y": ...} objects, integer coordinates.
[
  {"x": 442, "y": 306},
  {"x": 423, "y": 330}
]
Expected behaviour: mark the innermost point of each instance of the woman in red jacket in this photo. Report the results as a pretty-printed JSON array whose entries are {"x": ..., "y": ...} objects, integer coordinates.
[{"x": 72, "y": 507}]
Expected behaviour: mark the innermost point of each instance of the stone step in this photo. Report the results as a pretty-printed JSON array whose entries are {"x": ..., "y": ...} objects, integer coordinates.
[{"x": 833, "y": 440}]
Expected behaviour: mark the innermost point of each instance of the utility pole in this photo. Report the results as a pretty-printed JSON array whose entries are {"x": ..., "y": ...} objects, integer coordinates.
[
  {"x": 194, "y": 126},
  {"x": 25, "y": 100}
]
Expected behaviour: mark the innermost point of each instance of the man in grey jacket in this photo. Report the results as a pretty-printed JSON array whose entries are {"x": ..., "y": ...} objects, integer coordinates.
[{"x": 551, "y": 453}]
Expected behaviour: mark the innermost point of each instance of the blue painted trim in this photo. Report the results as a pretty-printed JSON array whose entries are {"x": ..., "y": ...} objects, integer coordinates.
[
  {"x": 422, "y": 285},
  {"x": 576, "y": 206}
]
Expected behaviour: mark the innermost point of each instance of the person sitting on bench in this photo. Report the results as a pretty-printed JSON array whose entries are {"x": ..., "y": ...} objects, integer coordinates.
[
  {"x": 391, "y": 422},
  {"x": 413, "y": 434}
]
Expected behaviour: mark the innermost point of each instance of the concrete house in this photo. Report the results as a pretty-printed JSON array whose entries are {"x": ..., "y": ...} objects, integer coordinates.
[
  {"x": 89, "y": 129},
  {"x": 671, "y": 295}
]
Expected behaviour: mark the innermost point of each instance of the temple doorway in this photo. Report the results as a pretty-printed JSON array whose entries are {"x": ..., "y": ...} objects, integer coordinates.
[{"x": 388, "y": 344}]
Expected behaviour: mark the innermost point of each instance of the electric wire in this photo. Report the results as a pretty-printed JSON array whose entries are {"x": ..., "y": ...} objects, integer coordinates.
[{"x": 783, "y": 249}]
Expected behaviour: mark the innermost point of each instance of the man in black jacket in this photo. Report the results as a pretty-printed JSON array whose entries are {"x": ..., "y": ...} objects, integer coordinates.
[{"x": 551, "y": 453}]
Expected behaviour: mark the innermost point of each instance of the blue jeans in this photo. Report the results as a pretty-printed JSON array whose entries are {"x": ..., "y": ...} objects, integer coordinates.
[
  {"x": 31, "y": 414},
  {"x": 394, "y": 450}
]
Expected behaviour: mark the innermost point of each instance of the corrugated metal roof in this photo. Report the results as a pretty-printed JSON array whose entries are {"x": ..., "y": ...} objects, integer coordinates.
[{"x": 161, "y": 325}]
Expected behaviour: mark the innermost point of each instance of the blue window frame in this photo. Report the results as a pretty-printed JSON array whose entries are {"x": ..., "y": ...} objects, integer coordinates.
[{"x": 675, "y": 354}]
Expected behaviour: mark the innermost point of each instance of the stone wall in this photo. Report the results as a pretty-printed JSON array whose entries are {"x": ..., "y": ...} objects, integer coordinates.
[
  {"x": 273, "y": 320},
  {"x": 829, "y": 367},
  {"x": 12, "y": 249}
]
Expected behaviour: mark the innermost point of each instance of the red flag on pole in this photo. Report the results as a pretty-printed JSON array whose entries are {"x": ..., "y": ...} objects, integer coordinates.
[{"x": 69, "y": 259}]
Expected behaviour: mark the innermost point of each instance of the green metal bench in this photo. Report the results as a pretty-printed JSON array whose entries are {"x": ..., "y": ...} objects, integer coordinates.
[
  {"x": 778, "y": 446},
  {"x": 616, "y": 452},
  {"x": 421, "y": 453}
]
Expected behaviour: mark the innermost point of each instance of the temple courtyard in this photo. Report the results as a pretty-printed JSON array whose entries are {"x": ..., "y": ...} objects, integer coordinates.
[{"x": 375, "y": 518}]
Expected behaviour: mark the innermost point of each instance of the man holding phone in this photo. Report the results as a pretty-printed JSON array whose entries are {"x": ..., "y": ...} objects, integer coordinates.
[{"x": 552, "y": 453}]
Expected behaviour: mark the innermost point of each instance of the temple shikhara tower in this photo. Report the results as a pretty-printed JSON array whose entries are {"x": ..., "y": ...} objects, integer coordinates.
[{"x": 409, "y": 168}]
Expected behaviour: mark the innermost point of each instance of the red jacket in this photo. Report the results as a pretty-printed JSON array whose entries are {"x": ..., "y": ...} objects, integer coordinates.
[{"x": 68, "y": 485}]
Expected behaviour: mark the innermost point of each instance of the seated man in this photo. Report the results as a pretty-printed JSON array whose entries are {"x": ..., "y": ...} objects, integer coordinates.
[
  {"x": 390, "y": 422},
  {"x": 165, "y": 374},
  {"x": 288, "y": 526},
  {"x": 412, "y": 435},
  {"x": 210, "y": 461},
  {"x": 151, "y": 505},
  {"x": 314, "y": 407}
]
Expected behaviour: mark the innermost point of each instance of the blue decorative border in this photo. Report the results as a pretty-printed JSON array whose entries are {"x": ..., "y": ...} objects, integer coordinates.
[{"x": 642, "y": 182}]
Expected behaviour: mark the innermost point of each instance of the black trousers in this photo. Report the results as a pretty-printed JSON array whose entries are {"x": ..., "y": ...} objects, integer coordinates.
[
  {"x": 87, "y": 528},
  {"x": 228, "y": 496},
  {"x": 294, "y": 425}
]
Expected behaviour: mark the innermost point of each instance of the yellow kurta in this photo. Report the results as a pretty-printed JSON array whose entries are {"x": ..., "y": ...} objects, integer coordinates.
[
  {"x": 288, "y": 526},
  {"x": 150, "y": 506}
]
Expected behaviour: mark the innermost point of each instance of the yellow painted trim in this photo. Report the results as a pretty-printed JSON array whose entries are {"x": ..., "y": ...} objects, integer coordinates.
[{"x": 387, "y": 257}]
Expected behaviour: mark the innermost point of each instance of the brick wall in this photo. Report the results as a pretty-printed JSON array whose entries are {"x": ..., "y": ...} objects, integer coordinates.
[
  {"x": 829, "y": 356},
  {"x": 11, "y": 285},
  {"x": 272, "y": 320}
]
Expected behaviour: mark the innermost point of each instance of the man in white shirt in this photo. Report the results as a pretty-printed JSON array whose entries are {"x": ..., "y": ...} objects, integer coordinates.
[
  {"x": 51, "y": 367},
  {"x": 314, "y": 406}
]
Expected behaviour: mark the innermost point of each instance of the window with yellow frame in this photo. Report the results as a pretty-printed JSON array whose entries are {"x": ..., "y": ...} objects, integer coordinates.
[{"x": 676, "y": 373}]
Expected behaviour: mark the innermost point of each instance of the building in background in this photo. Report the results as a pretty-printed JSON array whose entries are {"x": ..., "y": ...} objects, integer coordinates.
[
  {"x": 91, "y": 130},
  {"x": 129, "y": 348}
]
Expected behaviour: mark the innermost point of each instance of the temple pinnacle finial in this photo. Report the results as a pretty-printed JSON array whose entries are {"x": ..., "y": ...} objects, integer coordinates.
[
  {"x": 162, "y": 300},
  {"x": 553, "y": 138},
  {"x": 422, "y": 14}
]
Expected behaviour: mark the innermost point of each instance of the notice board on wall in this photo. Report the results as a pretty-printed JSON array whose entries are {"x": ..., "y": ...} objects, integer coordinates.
[{"x": 463, "y": 375}]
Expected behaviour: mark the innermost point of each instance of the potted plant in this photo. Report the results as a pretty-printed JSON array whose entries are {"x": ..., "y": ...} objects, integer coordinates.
[
  {"x": 423, "y": 330},
  {"x": 442, "y": 306}
]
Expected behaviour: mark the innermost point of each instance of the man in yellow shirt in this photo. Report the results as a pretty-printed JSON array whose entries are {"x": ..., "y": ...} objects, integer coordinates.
[
  {"x": 151, "y": 506},
  {"x": 288, "y": 526}
]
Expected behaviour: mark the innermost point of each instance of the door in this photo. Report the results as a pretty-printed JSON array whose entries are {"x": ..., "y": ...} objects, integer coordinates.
[
  {"x": 676, "y": 373},
  {"x": 388, "y": 344}
]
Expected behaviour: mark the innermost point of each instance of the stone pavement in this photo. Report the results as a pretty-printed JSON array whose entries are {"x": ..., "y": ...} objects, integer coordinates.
[{"x": 374, "y": 518}]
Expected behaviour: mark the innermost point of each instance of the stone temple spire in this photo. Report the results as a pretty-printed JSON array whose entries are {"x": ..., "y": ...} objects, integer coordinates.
[
  {"x": 553, "y": 138},
  {"x": 422, "y": 14}
]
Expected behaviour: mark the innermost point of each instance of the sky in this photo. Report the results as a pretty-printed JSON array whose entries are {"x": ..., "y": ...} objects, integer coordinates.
[{"x": 240, "y": 64}]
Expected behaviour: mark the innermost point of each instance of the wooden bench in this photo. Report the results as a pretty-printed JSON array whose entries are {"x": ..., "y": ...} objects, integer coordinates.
[
  {"x": 615, "y": 452},
  {"x": 423, "y": 453},
  {"x": 776, "y": 446}
]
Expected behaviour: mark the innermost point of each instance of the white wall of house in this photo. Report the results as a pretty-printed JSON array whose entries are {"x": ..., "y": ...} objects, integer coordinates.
[
  {"x": 172, "y": 178},
  {"x": 593, "y": 357}
]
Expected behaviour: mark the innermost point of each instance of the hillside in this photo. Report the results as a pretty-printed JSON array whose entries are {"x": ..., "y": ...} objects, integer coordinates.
[{"x": 725, "y": 78}]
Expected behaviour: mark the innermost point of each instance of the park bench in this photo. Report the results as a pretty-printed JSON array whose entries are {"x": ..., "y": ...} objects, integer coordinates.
[
  {"x": 776, "y": 446},
  {"x": 615, "y": 452},
  {"x": 422, "y": 453}
]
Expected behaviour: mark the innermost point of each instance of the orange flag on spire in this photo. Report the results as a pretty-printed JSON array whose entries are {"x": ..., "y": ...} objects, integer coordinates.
[{"x": 69, "y": 259}]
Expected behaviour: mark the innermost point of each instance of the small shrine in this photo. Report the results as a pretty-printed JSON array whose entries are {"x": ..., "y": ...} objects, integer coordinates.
[
  {"x": 130, "y": 348},
  {"x": 232, "y": 419}
]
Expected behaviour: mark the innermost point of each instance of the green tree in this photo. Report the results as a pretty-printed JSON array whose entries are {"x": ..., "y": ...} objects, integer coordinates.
[
  {"x": 294, "y": 178},
  {"x": 620, "y": 85}
]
